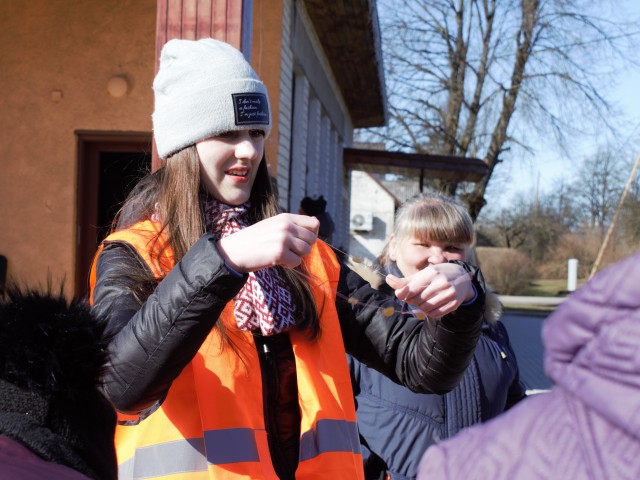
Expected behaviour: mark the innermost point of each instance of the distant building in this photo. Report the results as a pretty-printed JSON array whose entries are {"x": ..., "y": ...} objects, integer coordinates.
[
  {"x": 372, "y": 210},
  {"x": 381, "y": 181}
]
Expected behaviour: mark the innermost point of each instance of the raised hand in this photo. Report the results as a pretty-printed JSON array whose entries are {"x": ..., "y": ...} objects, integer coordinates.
[
  {"x": 435, "y": 290},
  {"x": 280, "y": 240}
]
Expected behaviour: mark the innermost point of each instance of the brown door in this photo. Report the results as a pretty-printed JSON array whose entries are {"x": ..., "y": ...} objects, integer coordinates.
[{"x": 109, "y": 165}]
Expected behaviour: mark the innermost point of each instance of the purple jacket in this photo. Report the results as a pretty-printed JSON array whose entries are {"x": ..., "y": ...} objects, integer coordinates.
[
  {"x": 588, "y": 425},
  {"x": 17, "y": 462}
]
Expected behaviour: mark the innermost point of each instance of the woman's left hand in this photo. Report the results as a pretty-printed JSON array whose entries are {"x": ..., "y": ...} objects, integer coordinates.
[{"x": 435, "y": 290}]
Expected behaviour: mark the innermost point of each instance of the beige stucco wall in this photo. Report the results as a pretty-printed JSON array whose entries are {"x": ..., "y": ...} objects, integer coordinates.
[
  {"x": 67, "y": 48},
  {"x": 266, "y": 53}
]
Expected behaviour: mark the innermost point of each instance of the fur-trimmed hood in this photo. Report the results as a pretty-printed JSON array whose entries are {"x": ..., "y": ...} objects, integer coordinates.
[{"x": 52, "y": 353}]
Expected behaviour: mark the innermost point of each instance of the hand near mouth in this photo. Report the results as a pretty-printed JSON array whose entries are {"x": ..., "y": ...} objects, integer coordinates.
[
  {"x": 436, "y": 290},
  {"x": 280, "y": 240}
]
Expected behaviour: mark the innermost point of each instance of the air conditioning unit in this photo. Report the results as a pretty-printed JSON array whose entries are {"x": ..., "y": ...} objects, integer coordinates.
[{"x": 361, "y": 221}]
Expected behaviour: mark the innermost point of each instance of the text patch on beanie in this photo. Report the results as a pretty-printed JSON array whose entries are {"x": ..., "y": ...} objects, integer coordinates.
[{"x": 251, "y": 108}]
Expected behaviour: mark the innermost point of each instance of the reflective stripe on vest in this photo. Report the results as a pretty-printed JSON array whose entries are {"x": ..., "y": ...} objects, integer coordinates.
[
  {"x": 211, "y": 423},
  {"x": 232, "y": 446},
  {"x": 329, "y": 436}
]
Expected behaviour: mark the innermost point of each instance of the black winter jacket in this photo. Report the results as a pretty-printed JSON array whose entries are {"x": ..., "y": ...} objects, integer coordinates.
[{"x": 155, "y": 340}]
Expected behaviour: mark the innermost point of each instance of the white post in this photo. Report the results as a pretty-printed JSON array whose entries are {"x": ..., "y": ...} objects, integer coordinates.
[{"x": 572, "y": 275}]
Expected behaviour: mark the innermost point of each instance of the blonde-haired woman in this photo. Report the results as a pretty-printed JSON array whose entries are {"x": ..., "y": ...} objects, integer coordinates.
[{"x": 397, "y": 425}]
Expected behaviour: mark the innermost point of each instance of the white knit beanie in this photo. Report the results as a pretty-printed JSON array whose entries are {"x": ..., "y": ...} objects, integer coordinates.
[{"x": 204, "y": 88}]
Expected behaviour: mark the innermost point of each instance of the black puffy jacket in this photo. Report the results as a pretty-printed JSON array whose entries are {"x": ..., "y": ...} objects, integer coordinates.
[{"x": 155, "y": 340}]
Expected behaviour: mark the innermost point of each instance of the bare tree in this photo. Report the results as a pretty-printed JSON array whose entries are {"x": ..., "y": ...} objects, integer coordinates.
[
  {"x": 533, "y": 228},
  {"x": 508, "y": 227},
  {"x": 630, "y": 215},
  {"x": 616, "y": 214},
  {"x": 476, "y": 77},
  {"x": 597, "y": 188}
]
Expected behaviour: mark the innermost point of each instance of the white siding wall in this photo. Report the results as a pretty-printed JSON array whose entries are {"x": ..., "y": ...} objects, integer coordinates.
[
  {"x": 300, "y": 129},
  {"x": 318, "y": 125},
  {"x": 336, "y": 189},
  {"x": 314, "y": 136},
  {"x": 286, "y": 106}
]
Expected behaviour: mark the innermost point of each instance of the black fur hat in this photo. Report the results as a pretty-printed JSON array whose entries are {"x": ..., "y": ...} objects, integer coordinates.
[{"x": 52, "y": 353}]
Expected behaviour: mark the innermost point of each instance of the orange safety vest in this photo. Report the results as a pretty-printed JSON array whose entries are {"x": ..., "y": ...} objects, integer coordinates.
[{"x": 211, "y": 424}]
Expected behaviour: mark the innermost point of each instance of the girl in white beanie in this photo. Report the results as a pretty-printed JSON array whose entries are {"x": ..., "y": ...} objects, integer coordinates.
[{"x": 230, "y": 320}]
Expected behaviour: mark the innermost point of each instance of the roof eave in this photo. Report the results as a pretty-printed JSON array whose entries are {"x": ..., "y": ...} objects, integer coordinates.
[
  {"x": 411, "y": 164},
  {"x": 349, "y": 33}
]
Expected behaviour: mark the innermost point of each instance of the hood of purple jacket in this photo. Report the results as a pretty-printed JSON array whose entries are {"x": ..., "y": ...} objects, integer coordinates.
[
  {"x": 592, "y": 344},
  {"x": 587, "y": 426}
]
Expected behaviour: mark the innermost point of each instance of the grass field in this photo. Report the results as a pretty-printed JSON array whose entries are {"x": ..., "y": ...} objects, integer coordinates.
[
  {"x": 529, "y": 310},
  {"x": 548, "y": 287},
  {"x": 542, "y": 288}
]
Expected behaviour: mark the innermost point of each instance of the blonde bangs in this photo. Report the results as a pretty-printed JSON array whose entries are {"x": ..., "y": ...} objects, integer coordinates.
[{"x": 434, "y": 217}]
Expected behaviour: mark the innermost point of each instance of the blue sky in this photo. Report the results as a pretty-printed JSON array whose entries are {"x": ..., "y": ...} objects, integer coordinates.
[
  {"x": 516, "y": 178},
  {"x": 542, "y": 170}
]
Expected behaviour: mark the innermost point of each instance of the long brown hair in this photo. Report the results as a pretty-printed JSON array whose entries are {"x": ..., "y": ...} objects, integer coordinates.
[{"x": 173, "y": 192}]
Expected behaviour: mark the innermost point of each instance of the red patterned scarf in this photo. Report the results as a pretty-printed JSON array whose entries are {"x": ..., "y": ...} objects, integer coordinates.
[{"x": 265, "y": 300}]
